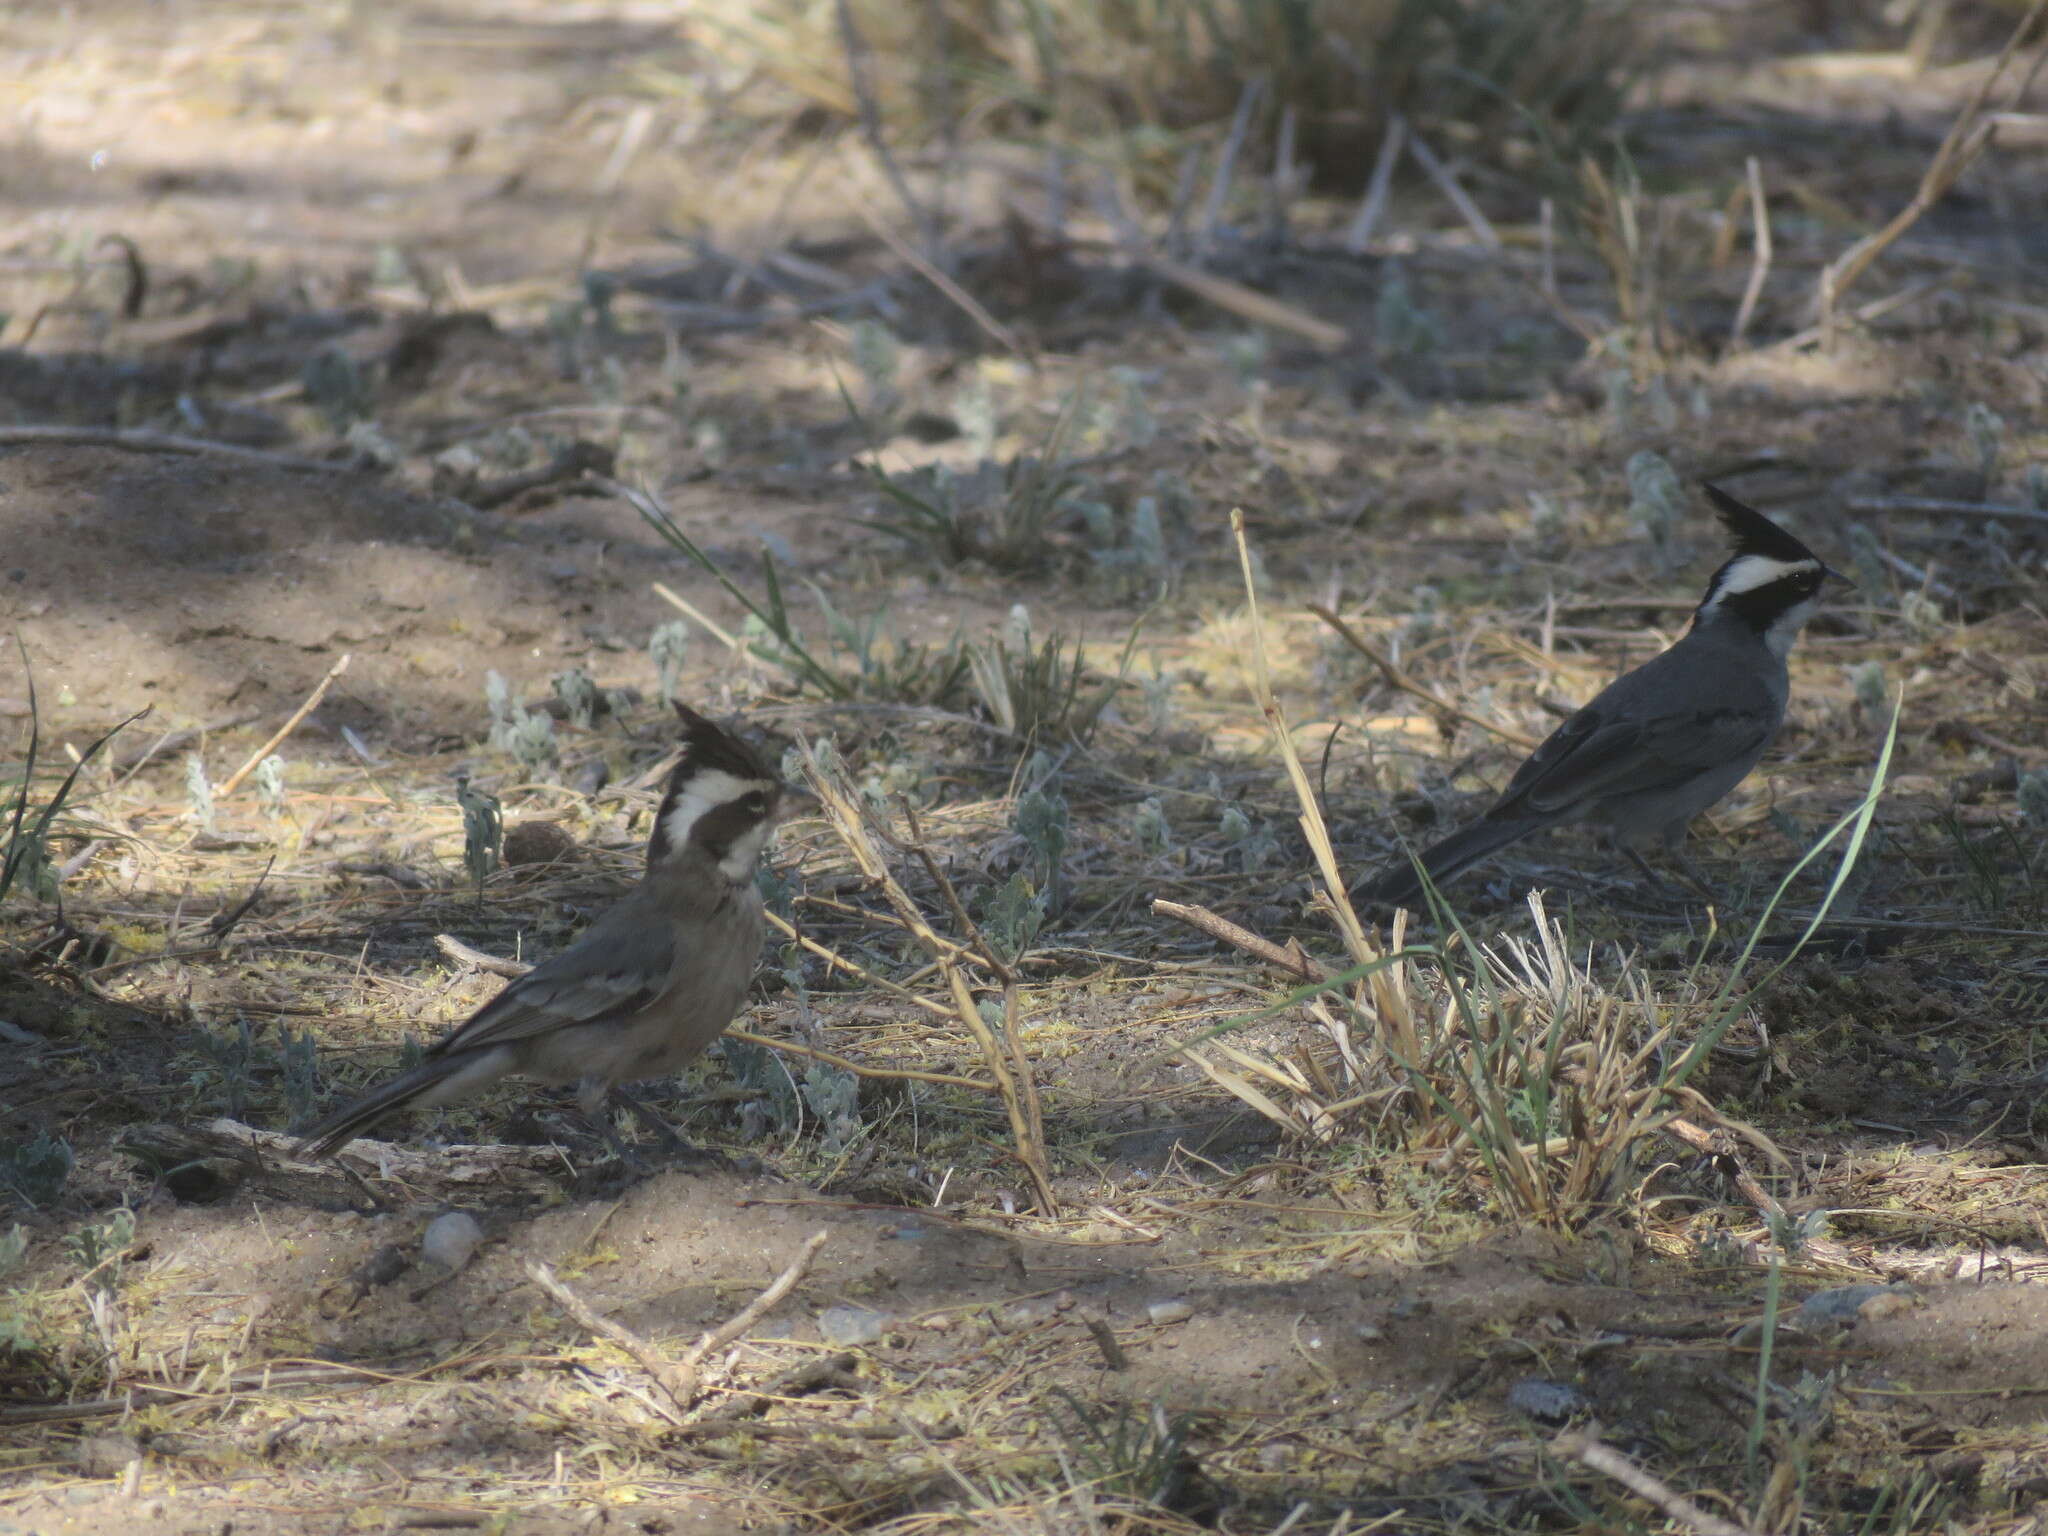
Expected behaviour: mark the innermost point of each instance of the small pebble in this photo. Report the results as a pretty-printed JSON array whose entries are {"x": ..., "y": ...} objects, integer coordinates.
[
  {"x": 451, "y": 1239},
  {"x": 380, "y": 1268},
  {"x": 105, "y": 1455},
  {"x": 1844, "y": 1305},
  {"x": 537, "y": 842},
  {"x": 1548, "y": 1402},
  {"x": 1024, "y": 1314},
  {"x": 851, "y": 1326},
  {"x": 1174, "y": 1311}
]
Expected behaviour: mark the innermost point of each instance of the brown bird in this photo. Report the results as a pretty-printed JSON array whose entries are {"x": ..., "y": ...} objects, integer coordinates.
[{"x": 650, "y": 984}]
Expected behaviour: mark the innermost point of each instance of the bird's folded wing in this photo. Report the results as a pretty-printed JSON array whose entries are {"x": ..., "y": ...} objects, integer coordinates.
[
  {"x": 1596, "y": 757},
  {"x": 615, "y": 971}
]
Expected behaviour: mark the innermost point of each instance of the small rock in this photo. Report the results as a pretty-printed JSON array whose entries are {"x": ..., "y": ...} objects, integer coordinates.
[
  {"x": 1028, "y": 1312},
  {"x": 1173, "y": 1311},
  {"x": 105, "y": 1455},
  {"x": 849, "y": 1327},
  {"x": 1548, "y": 1402},
  {"x": 451, "y": 1239},
  {"x": 537, "y": 842},
  {"x": 1845, "y": 1305}
]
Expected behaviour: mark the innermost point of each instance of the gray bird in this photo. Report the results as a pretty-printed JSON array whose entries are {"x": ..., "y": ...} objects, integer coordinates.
[
  {"x": 1662, "y": 743},
  {"x": 650, "y": 984}
]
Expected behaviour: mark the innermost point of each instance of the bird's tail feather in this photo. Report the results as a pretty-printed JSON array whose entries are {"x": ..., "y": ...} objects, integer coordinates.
[
  {"x": 1399, "y": 885},
  {"x": 418, "y": 1086}
]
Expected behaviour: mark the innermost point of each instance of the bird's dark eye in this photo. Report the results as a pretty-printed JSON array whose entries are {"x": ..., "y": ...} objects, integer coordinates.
[{"x": 755, "y": 802}]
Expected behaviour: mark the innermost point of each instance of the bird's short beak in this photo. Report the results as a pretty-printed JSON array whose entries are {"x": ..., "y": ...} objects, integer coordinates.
[{"x": 1834, "y": 575}]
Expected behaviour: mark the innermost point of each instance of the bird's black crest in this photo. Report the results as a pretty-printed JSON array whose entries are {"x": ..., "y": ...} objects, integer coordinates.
[
  {"x": 1754, "y": 534},
  {"x": 709, "y": 745}
]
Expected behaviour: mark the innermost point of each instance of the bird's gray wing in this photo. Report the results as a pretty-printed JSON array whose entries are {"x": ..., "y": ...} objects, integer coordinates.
[
  {"x": 623, "y": 962},
  {"x": 1600, "y": 752}
]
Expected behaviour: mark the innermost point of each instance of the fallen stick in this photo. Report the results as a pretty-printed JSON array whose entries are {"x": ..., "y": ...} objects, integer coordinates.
[
  {"x": 930, "y": 271},
  {"x": 312, "y": 702},
  {"x": 1936, "y": 506},
  {"x": 1760, "y": 263},
  {"x": 1289, "y": 958},
  {"x": 137, "y": 440},
  {"x": 692, "y": 1368},
  {"x": 462, "y": 954},
  {"x": 666, "y": 1376},
  {"x": 1359, "y": 235},
  {"x": 1604, "y": 1458},
  {"x": 1447, "y": 183},
  {"x": 1246, "y": 303}
]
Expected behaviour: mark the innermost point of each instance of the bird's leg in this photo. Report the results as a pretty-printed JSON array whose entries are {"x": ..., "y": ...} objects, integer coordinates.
[
  {"x": 634, "y": 1163},
  {"x": 1657, "y": 881},
  {"x": 677, "y": 1149},
  {"x": 591, "y": 1094},
  {"x": 1694, "y": 876},
  {"x": 669, "y": 1136}
]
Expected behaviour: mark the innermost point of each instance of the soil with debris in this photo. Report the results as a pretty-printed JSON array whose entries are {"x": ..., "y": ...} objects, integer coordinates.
[{"x": 358, "y": 339}]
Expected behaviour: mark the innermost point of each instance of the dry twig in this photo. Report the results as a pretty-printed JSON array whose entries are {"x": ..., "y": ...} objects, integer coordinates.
[
  {"x": 1760, "y": 265},
  {"x": 858, "y": 57},
  {"x": 462, "y": 954},
  {"x": 138, "y": 440},
  {"x": 1605, "y": 1459},
  {"x": 1447, "y": 183},
  {"x": 968, "y": 304},
  {"x": 1397, "y": 678},
  {"x": 1967, "y": 138},
  {"x": 313, "y": 699},
  {"x": 1359, "y": 235},
  {"x": 681, "y": 1379},
  {"x": 1007, "y": 1064},
  {"x": 667, "y": 1376},
  {"x": 1289, "y": 959},
  {"x": 715, "y": 1339}
]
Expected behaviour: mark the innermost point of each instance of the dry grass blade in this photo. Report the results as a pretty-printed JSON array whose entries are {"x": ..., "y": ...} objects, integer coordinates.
[
  {"x": 1335, "y": 895},
  {"x": 1006, "y": 1062}
]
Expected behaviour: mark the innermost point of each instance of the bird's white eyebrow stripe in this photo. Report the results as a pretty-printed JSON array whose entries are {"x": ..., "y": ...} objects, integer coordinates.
[
  {"x": 1746, "y": 573},
  {"x": 706, "y": 791}
]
